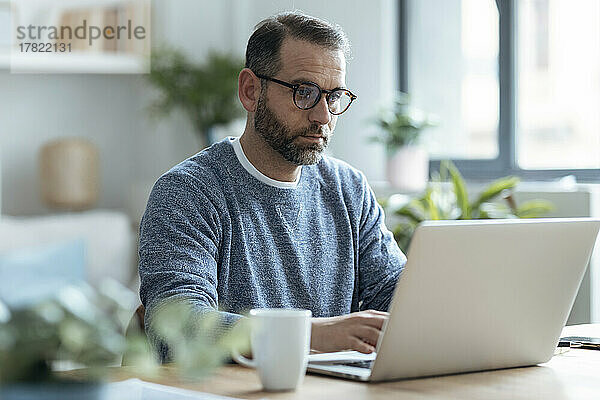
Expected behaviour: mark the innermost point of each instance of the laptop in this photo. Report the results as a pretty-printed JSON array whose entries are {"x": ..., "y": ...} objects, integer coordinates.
[{"x": 476, "y": 295}]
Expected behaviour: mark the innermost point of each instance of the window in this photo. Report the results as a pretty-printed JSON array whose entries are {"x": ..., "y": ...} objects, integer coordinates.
[
  {"x": 515, "y": 84},
  {"x": 558, "y": 81},
  {"x": 453, "y": 73}
]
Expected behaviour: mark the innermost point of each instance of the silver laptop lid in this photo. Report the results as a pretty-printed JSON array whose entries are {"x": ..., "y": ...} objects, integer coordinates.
[{"x": 479, "y": 295}]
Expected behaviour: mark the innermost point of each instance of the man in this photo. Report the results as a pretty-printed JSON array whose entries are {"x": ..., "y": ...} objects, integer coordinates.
[{"x": 267, "y": 220}]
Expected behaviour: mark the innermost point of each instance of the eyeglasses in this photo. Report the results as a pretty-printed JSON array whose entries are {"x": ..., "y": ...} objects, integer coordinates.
[{"x": 306, "y": 95}]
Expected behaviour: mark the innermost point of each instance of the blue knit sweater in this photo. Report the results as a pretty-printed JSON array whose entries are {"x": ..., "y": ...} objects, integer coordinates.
[{"x": 215, "y": 235}]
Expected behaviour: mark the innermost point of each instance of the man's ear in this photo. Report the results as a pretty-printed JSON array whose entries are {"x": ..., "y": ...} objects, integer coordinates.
[{"x": 248, "y": 89}]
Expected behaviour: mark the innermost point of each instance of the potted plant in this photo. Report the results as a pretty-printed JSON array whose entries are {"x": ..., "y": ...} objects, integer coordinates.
[
  {"x": 84, "y": 328},
  {"x": 206, "y": 92},
  {"x": 446, "y": 198},
  {"x": 401, "y": 125}
]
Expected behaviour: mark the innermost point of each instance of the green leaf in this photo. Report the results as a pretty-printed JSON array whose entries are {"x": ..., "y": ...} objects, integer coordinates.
[
  {"x": 494, "y": 189},
  {"x": 495, "y": 211},
  {"x": 460, "y": 190},
  {"x": 534, "y": 209},
  {"x": 383, "y": 202},
  {"x": 403, "y": 233},
  {"x": 413, "y": 211},
  {"x": 434, "y": 213}
]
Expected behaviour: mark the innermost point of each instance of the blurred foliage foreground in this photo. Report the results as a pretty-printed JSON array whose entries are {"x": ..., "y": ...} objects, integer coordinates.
[
  {"x": 86, "y": 328},
  {"x": 446, "y": 198}
]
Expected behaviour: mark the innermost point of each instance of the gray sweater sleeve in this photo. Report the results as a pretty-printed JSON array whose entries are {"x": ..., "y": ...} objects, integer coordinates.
[
  {"x": 380, "y": 259},
  {"x": 179, "y": 246}
]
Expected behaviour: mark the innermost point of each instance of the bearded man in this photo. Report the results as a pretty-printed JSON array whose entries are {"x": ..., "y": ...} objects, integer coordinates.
[{"x": 267, "y": 220}]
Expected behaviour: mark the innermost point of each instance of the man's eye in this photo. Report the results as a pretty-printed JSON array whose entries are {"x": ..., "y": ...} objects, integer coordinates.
[
  {"x": 334, "y": 97},
  {"x": 304, "y": 92}
]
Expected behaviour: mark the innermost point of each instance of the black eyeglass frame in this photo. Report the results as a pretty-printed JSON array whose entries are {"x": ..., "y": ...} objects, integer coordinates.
[{"x": 295, "y": 86}]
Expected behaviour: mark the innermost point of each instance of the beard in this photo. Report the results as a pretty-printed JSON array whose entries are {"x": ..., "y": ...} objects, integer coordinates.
[{"x": 282, "y": 139}]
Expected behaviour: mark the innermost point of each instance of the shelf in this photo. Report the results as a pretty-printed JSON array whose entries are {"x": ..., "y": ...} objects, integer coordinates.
[
  {"x": 75, "y": 63},
  {"x": 106, "y": 55}
]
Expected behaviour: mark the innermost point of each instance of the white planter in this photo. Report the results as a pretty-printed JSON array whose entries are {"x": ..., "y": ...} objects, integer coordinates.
[{"x": 408, "y": 169}]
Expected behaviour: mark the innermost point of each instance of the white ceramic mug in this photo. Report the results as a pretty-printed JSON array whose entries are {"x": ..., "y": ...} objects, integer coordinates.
[{"x": 280, "y": 340}]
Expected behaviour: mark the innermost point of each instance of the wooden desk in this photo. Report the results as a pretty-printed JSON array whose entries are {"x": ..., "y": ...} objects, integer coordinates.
[{"x": 572, "y": 375}]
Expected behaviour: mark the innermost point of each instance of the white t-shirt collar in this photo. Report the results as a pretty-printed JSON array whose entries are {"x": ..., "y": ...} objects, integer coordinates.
[{"x": 239, "y": 152}]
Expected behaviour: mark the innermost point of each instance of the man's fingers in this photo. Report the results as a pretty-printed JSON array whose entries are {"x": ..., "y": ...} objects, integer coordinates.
[
  {"x": 375, "y": 312},
  {"x": 360, "y": 346},
  {"x": 358, "y": 331},
  {"x": 375, "y": 321},
  {"x": 368, "y": 334}
]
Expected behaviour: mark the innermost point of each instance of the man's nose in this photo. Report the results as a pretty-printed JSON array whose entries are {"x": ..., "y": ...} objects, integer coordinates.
[{"x": 320, "y": 113}]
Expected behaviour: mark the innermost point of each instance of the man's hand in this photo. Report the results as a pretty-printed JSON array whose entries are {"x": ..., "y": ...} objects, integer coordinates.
[{"x": 358, "y": 331}]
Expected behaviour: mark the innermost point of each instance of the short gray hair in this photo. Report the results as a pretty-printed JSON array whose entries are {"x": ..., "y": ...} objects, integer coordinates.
[{"x": 263, "y": 49}]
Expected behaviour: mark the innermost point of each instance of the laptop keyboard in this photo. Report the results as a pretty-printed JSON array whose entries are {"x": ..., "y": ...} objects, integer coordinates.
[{"x": 360, "y": 364}]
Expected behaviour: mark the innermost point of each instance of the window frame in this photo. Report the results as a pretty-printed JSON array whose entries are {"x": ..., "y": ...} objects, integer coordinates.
[{"x": 506, "y": 163}]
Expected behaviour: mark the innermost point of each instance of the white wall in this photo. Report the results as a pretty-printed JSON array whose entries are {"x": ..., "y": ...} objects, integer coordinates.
[{"x": 110, "y": 109}]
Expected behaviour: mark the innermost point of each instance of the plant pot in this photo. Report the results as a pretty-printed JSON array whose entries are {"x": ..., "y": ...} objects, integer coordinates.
[
  {"x": 408, "y": 169},
  {"x": 53, "y": 391}
]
